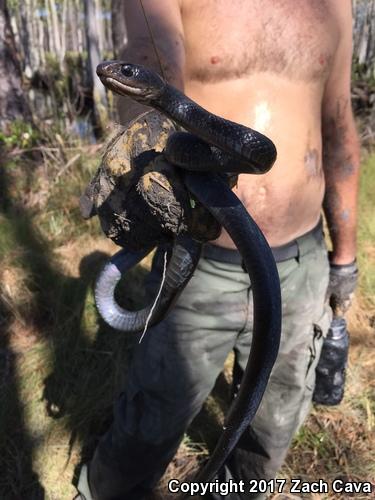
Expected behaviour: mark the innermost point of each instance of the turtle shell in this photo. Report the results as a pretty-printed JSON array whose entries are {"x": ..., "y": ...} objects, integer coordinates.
[{"x": 138, "y": 195}]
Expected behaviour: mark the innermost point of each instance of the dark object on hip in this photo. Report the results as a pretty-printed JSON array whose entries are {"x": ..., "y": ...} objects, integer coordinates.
[
  {"x": 291, "y": 250},
  {"x": 330, "y": 372}
]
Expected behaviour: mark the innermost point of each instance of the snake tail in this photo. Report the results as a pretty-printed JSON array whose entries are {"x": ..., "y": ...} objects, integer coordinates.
[{"x": 185, "y": 256}]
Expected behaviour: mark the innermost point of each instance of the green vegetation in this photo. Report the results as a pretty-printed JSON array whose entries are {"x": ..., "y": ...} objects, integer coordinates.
[
  {"x": 60, "y": 366},
  {"x": 20, "y": 134},
  {"x": 367, "y": 230},
  {"x": 363, "y": 72}
]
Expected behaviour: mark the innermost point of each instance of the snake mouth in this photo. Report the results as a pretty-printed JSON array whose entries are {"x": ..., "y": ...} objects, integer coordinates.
[
  {"x": 121, "y": 88},
  {"x": 142, "y": 95}
]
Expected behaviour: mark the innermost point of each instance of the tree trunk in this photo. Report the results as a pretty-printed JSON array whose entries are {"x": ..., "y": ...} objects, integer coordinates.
[
  {"x": 119, "y": 36},
  {"x": 99, "y": 95},
  {"x": 73, "y": 28},
  {"x": 63, "y": 28},
  {"x": 13, "y": 104},
  {"x": 41, "y": 40},
  {"x": 35, "y": 52},
  {"x": 55, "y": 29},
  {"x": 49, "y": 29},
  {"x": 99, "y": 21},
  {"x": 107, "y": 31},
  {"x": 24, "y": 34},
  {"x": 364, "y": 33},
  {"x": 81, "y": 46}
]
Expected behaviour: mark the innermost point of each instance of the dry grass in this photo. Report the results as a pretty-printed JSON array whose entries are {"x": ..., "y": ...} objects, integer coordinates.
[{"x": 60, "y": 367}]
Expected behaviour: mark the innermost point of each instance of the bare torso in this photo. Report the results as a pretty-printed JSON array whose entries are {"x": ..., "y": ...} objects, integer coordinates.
[{"x": 264, "y": 63}]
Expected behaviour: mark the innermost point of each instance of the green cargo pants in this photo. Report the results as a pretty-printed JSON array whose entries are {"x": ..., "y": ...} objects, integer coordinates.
[{"x": 178, "y": 361}]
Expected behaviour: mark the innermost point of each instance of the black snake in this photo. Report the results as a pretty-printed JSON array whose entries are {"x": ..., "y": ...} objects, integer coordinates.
[{"x": 218, "y": 145}]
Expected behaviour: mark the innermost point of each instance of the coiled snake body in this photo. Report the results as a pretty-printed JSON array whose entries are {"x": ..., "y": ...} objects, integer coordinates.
[{"x": 217, "y": 145}]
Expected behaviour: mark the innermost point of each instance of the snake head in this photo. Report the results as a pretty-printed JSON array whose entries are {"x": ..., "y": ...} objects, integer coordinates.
[{"x": 131, "y": 80}]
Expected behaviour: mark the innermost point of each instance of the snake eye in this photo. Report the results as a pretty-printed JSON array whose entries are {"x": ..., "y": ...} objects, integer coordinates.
[{"x": 127, "y": 70}]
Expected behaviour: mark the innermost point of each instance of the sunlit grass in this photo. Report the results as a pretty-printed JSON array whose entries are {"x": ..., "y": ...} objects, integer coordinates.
[{"x": 367, "y": 229}]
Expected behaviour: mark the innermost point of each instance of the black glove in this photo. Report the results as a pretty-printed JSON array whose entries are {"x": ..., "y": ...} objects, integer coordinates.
[{"x": 342, "y": 283}]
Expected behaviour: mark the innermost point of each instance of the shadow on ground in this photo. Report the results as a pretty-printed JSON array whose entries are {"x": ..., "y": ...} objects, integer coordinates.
[
  {"x": 88, "y": 359},
  {"x": 17, "y": 477}
]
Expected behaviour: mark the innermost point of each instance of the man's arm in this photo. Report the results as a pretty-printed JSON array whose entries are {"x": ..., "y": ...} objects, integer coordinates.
[
  {"x": 155, "y": 40},
  {"x": 341, "y": 152}
]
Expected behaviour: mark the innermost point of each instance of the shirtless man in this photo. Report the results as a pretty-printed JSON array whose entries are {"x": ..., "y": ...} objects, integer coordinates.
[{"x": 283, "y": 68}]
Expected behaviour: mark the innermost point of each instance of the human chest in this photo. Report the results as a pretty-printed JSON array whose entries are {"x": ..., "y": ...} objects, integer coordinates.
[{"x": 235, "y": 39}]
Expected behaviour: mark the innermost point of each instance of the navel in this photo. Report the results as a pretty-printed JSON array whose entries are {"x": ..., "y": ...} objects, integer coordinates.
[{"x": 262, "y": 191}]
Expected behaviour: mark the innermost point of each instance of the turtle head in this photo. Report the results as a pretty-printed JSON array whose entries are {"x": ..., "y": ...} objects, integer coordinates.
[{"x": 131, "y": 80}]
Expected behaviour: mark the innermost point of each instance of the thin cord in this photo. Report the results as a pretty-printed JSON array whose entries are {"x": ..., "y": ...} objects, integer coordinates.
[
  {"x": 157, "y": 298},
  {"x": 165, "y": 254},
  {"x": 153, "y": 40}
]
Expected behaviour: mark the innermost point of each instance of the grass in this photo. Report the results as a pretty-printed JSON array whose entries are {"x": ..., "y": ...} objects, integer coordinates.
[
  {"x": 61, "y": 367},
  {"x": 367, "y": 230}
]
